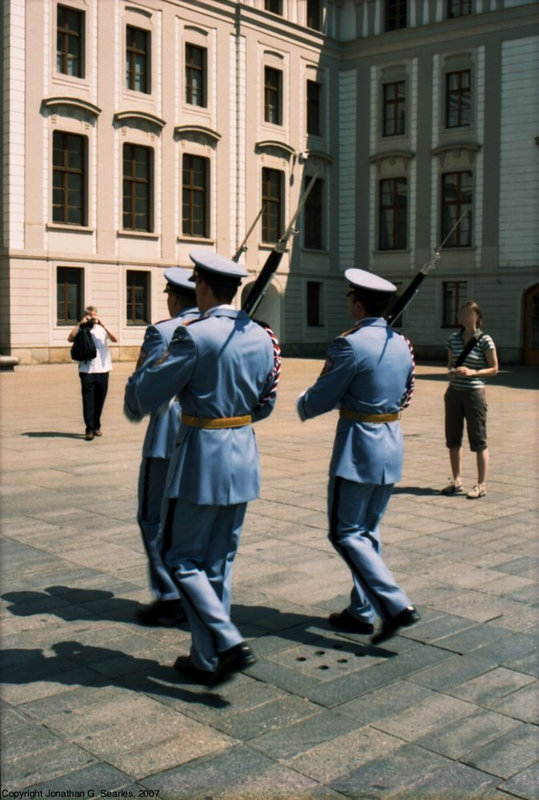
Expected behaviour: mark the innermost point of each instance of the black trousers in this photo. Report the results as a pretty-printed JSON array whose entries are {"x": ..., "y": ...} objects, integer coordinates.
[{"x": 94, "y": 387}]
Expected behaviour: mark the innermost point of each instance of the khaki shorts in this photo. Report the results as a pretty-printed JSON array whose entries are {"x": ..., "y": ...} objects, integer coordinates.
[{"x": 472, "y": 407}]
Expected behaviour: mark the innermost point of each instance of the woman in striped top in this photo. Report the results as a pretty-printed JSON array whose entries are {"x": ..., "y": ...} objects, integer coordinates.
[{"x": 465, "y": 397}]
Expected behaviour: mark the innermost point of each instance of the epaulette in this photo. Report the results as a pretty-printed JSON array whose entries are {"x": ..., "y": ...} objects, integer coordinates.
[
  {"x": 348, "y": 332},
  {"x": 167, "y": 319},
  {"x": 195, "y": 319}
]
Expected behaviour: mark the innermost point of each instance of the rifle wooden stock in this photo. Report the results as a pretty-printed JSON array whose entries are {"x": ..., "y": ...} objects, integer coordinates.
[{"x": 406, "y": 298}]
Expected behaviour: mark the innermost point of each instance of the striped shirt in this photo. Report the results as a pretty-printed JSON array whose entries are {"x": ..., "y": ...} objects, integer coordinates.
[{"x": 474, "y": 360}]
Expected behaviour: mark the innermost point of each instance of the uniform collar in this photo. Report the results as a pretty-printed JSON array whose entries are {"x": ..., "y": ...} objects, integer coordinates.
[
  {"x": 224, "y": 310},
  {"x": 379, "y": 321}
]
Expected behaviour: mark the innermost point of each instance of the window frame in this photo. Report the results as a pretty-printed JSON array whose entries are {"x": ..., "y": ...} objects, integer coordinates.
[
  {"x": 271, "y": 230},
  {"x": 68, "y": 34},
  {"x": 452, "y": 303},
  {"x": 277, "y": 7},
  {"x": 397, "y": 237},
  {"x": 314, "y": 108},
  {"x": 131, "y": 303},
  {"x": 458, "y": 94},
  {"x": 193, "y": 69},
  {"x": 273, "y": 91},
  {"x": 397, "y": 105},
  {"x": 78, "y": 273},
  {"x": 314, "y": 18},
  {"x": 65, "y": 171},
  {"x": 131, "y": 54},
  {"x": 313, "y": 304},
  {"x": 313, "y": 215},
  {"x": 190, "y": 221},
  {"x": 396, "y": 15},
  {"x": 133, "y": 180},
  {"x": 458, "y": 8},
  {"x": 462, "y": 235}
]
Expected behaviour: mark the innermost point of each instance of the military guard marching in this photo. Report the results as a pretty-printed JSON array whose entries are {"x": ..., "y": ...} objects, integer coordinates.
[
  {"x": 368, "y": 375},
  {"x": 222, "y": 368}
]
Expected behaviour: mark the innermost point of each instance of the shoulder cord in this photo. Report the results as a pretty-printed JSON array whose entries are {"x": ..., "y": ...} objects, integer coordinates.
[
  {"x": 276, "y": 372},
  {"x": 409, "y": 390}
]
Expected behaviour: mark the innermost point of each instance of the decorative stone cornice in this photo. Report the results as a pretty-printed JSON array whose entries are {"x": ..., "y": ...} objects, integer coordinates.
[
  {"x": 390, "y": 155},
  {"x": 470, "y": 147},
  {"x": 270, "y": 144},
  {"x": 196, "y": 130},
  {"x": 140, "y": 116},
  {"x": 71, "y": 102}
]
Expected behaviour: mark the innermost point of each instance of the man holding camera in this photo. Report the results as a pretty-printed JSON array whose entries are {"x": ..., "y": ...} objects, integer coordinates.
[{"x": 94, "y": 373}]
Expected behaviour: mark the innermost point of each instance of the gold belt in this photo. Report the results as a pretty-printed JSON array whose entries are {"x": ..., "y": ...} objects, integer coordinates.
[
  {"x": 218, "y": 422},
  {"x": 358, "y": 416}
]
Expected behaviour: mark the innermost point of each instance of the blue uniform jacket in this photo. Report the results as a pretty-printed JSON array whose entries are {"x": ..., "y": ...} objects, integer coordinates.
[
  {"x": 368, "y": 369},
  {"x": 220, "y": 365},
  {"x": 165, "y": 422}
]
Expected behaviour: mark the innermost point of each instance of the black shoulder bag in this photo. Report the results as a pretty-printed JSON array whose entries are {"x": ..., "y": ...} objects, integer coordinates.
[
  {"x": 468, "y": 347},
  {"x": 83, "y": 347}
]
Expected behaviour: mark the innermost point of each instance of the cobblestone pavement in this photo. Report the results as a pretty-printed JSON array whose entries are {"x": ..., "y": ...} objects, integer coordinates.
[{"x": 91, "y": 705}]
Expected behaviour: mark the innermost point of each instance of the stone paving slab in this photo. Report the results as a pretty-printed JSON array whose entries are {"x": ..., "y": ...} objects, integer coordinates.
[{"x": 90, "y": 703}]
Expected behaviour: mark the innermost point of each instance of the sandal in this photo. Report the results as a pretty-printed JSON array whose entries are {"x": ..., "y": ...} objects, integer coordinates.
[
  {"x": 454, "y": 487},
  {"x": 479, "y": 490}
]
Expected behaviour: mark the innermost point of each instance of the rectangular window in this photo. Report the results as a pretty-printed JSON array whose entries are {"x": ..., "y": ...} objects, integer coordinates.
[
  {"x": 314, "y": 305},
  {"x": 137, "y": 60},
  {"x": 396, "y": 14},
  {"x": 394, "y": 108},
  {"x": 454, "y": 296},
  {"x": 273, "y": 95},
  {"x": 69, "y": 178},
  {"x": 458, "y": 8},
  {"x": 393, "y": 213},
  {"x": 275, "y": 6},
  {"x": 314, "y": 15},
  {"x": 137, "y": 188},
  {"x": 195, "y": 200},
  {"x": 314, "y": 91},
  {"x": 457, "y": 205},
  {"x": 313, "y": 216},
  {"x": 458, "y": 107},
  {"x": 195, "y": 75},
  {"x": 272, "y": 204},
  {"x": 137, "y": 294},
  {"x": 69, "y": 41},
  {"x": 69, "y": 302}
]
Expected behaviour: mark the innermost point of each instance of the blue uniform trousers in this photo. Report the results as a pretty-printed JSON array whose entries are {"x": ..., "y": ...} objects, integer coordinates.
[
  {"x": 152, "y": 477},
  {"x": 203, "y": 544},
  {"x": 355, "y": 510}
]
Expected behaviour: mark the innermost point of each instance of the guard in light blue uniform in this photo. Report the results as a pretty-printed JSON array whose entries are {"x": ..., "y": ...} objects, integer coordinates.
[
  {"x": 368, "y": 376},
  {"x": 223, "y": 368},
  {"x": 157, "y": 449}
]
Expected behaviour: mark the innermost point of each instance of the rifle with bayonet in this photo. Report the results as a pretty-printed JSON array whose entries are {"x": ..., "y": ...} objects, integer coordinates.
[
  {"x": 273, "y": 260},
  {"x": 411, "y": 290},
  {"x": 243, "y": 246}
]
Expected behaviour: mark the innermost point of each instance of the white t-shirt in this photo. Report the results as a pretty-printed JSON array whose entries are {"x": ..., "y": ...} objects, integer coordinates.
[{"x": 102, "y": 362}]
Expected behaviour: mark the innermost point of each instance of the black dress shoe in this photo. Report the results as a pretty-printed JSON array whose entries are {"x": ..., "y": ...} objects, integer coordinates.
[
  {"x": 401, "y": 620},
  {"x": 235, "y": 659},
  {"x": 185, "y": 667},
  {"x": 154, "y": 613},
  {"x": 346, "y": 622}
]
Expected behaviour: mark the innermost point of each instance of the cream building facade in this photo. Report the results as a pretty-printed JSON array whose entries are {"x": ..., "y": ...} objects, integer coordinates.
[{"x": 135, "y": 131}]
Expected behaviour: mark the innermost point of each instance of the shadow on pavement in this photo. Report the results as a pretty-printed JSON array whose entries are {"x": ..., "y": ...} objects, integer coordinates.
[
  {"x": 76, "y": 664},
  {"x": 415, "y": 490},
  {"x": 261, "y": 621},
  {"x": 69, "y": 604},
  {"x": 52, "y": 435}
]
